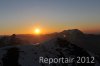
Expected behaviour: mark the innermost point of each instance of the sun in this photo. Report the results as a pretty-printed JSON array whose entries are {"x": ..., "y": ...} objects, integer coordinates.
[{"x": 37, "y": 31}]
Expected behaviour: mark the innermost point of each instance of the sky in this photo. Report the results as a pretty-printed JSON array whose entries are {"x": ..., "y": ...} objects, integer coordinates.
[{"x": 23, "y": 16}]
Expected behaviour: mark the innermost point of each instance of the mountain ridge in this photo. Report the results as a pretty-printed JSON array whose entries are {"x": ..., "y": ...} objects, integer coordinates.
[{"x": 54, "y": 48}]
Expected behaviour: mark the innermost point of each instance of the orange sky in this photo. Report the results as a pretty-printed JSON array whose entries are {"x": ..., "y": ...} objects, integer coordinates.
[{"x": 21, "y": 17}]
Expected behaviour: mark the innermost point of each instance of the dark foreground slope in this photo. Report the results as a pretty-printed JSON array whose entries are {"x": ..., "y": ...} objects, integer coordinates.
[{"x": 55, "y": 48}]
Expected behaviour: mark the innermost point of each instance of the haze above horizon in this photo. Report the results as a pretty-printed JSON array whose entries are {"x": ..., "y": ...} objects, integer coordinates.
[{"x": 22, "y": 16}]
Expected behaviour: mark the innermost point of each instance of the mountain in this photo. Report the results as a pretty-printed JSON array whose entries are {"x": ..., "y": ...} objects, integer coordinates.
[
  {"x": 87, "y": 41},
  {"x": 57, "y": 47},
  {"x": 73, "y": 32},
  {"x": 90, "y": 42}
]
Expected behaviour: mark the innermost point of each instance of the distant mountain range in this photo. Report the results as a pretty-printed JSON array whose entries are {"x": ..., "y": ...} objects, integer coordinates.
[
  {"x": 90, "y": 42},
  {"x": 25, "y": 50}
]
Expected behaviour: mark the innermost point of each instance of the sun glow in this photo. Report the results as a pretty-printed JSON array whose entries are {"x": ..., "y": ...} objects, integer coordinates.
[{"x": 37, "y": 31}]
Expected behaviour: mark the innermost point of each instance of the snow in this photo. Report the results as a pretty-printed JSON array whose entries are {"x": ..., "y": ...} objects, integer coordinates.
[{"x": 29, "y": 54}]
